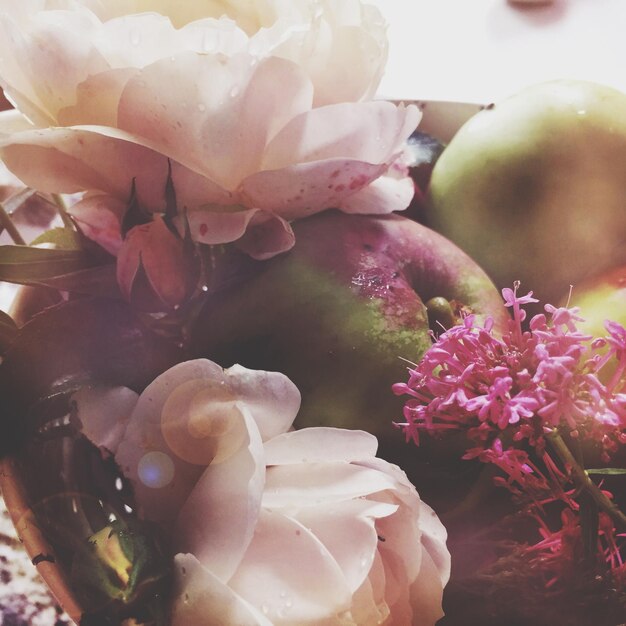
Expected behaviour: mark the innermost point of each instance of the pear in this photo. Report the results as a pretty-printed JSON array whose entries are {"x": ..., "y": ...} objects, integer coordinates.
[{"x": 534, "y": 188}]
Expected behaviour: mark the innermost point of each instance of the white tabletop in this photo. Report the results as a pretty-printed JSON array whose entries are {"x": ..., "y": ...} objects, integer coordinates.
[{"x": 483, "y": 50}]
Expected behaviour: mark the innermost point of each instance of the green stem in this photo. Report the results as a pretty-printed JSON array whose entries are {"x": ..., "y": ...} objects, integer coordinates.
[
  {"x": 62, "y": 208},
  {"x": 7, "y": 223},
  {"x": 582, "y": 480}
]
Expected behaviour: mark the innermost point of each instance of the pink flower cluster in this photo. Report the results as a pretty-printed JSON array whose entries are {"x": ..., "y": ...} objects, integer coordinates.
[
  {"x": 525, "y": 400},
  {"x": 523, "y": 383}
]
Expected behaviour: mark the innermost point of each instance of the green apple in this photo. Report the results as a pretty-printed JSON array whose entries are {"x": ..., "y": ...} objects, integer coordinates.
[
  {"x": 600, "y": 298},
  {"x": 340, "y": 311},
  {"x": 534, "y": 188}
]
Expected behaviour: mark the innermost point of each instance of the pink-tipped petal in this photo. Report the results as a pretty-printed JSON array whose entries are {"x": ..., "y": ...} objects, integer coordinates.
[{"x": 304, "y": 189}]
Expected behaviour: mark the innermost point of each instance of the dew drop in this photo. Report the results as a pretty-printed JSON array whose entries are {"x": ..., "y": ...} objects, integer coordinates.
[
  {"x": 201, "y": 107},
  {"x": 234, "y": 92},
  {"x": 135, "y": 38}
]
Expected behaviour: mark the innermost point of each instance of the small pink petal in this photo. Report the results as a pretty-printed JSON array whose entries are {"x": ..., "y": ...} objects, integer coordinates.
[
  {"x": 162, "y": 255},
  {"x": 99, "y": 217},
  {"x": 266, "y": 236}
]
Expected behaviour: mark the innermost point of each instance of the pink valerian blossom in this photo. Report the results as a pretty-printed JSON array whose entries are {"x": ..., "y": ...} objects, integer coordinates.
[
  {"x": 524, "y": 388},
  {"x": 559, "y": 551},
  {"x": 523, "y": 382}
]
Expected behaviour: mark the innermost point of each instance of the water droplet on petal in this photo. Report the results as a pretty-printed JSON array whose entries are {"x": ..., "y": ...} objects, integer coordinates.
[{"x": 201, "y": 107}]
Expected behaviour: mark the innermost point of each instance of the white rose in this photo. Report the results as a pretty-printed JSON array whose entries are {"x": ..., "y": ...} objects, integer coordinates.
[
  {"x": 273, "y": 526},
  {"x": 261, "y": 108}
]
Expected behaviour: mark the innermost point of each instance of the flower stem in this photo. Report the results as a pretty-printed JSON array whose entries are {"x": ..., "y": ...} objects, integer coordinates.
[
  {"x": 62, "y": 209},
  {"x": 581, "y": 478},
  {"x": 7, "y": 223}
]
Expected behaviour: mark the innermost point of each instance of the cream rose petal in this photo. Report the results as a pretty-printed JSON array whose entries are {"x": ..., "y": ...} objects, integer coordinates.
[
  {"x": 202, "y": 598},
  {"x": 434, "y": 537},
  {"x": 311, "y": 484},
  {"x": 383, "y": 195},
  {"x": 42, "y": 65},
  {"x": 372, "y": 132},
  {"x": 218, "y": 519},
  {"x": 97, "y": 99},
  {"x": 68, "y": 160},
  {"x": 320, "y": 445},
  {"x": 426, "y": 593},
  {"x": 369, "y": 607},
  {"x": 143, "y": 436},
  {"x": 218, "y": 127},
  {"x": 103, "y": 413},
  {"x": 289, "y": 575},
  {"x": 272, "y": 399},
  {"x": 348, "y": 531}
]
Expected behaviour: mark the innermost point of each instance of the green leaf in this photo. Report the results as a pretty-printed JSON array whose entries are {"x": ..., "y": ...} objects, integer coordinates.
[
  {"x": 63, "y": 238},
  {"x": 94, "y": 281},
  {"x": 28, "y": 266},
  {"x": 8, "y": 331},
  {"x": 608, "y": 471}
]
